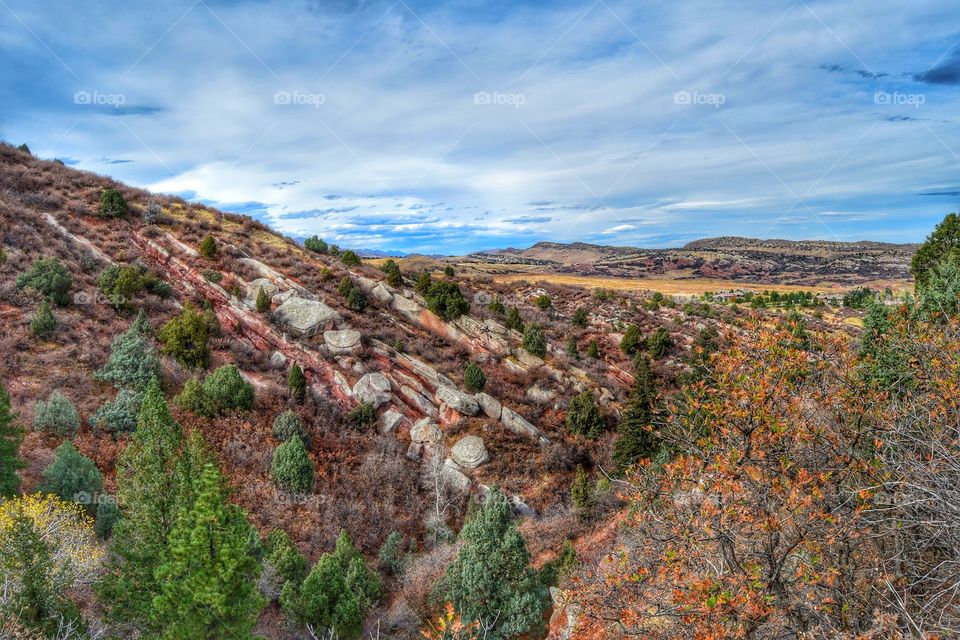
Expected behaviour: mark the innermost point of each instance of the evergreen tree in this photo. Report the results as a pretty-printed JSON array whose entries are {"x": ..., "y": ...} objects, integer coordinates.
[
  {"x": 356, "y": 300},
  {"x": 572, "y": 348},
  {"x": 208, "y": 247},
  {"x": 317, "y": 244},
  {"x": 282, "y": 559},
  {"x": 659, "y": 343},
  {"x": 225, "y": 390},
  {"x": 581, "y": 493},
  {"x": 593, "y": 350},
  {"x": 473, "y": 378},
  {"x": 325, "y": 601},
  {"x": 43, "y": 323},
  {"x": 11, "y": 435},
  {"x": 942, "y": 244},
  {"x": 391, "y": 557},
  {"x": 185, "y": 336},
  {"x": 289, "y": 424},
  {"x": 584, "y": 418},
  {"x": 579, "y": 318},
  {"x": 49, "y": 278},
  {"x": 423, "y": 283},
  {"x": 446, "y": 300},
  {"x": 57, "y": 416},
  {"x": 112, "y": 204},
  {"x": 350, "y": 258},
  {"x": 535, "y": 340},
  {"x": 151, "y": 491},
  {"x": 297, "y": 383},
  {"x": 120, "y": 414},
  {"x": 107, "y": 515},
  {"x": 263, "y": 302},
  {"x": 133, "y": 362},
  {"x": 513, "y": 320},
  {"x": 491, "y": 580},
  {"x": 73, "y": 477},
  {"x": 543, "y": 302},
  {"x": 394, "y": 277},
  {"x": 292, "y": 468},
  {"x": 208, "y": 574},
  {"x": 633, "y": 438},
  {"x": 632, "y": 340},
  {"x": 496, "y": 306}
]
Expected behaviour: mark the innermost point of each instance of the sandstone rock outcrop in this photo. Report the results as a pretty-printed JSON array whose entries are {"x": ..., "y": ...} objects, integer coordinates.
[
  {"x": 372, "y": 388},
  {"x": 458, "y": 400},
  {"x": 469, "y": 452},
  {"x": 342, "y": 342}
]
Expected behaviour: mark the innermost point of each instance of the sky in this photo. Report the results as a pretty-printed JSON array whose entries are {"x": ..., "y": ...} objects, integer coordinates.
[{"x": 450, "y": 127}]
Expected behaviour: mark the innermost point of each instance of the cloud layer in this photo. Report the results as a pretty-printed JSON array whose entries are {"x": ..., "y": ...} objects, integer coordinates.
[{"x": 450, "y": 127}]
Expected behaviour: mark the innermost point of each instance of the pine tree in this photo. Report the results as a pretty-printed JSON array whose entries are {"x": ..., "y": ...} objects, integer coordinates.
[
  {"x": 73, "y": 477},
  {"x": 572, "y": 348},
  {"x": 581, "y": 493},
  {"x": 133, "y": 362},
  {"x": 535, "y": 340},
  {"x": 491, "y": 580},
  {"x": 634, "y": 440},
  {"x": 207, "y": 574},
  {"x": 325, "y": 601},
  {"x": 112, "y": 204},
  {"x": 292, "y": 469},
  {"x": 579, "y": 318},
  {"x": 513, "y": 320},
  {"x": 185, "y": 337},
  {"x": 151, "y": 491},
  {"x": 584, "y": 418},
  {"x": 43, "y": 323},
  {"x": 593, "y": 350},
  {"x": 297, "y": 383},
  {"x": 208, "y": 247},
  {"x": 263, "y": 302},
  {"x": 10, "y": 437},
  {"x": 473, "y": 378}
]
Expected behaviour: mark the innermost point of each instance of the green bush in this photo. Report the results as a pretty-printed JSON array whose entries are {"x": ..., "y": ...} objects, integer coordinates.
[
  {"x": 356, "y": 300},
  {"x": 423, "y": 283},
  {"x": 392, "y": 558},
  {"x": 297, "y": 383},
  {"x": 120, "y": 283},
  {"x": 49, "y": 278},
  {"x": 632, "y": 340},
  {"x": 120, "y": 414},
  {"x": 107, "y": 516},
  {"x": 112, "y": 204},
  {"x": 473, "y": 378},
  {"x": 221, "y": 391},
  {"x": 133, "y": 362},
  {"x": 326, "y": 602},
  {"x": 43, "y": 323},
  {"x": 193, "y": 399},
  {"x": 449, "y": 272},
  {"x": 73, "y": 477},
  {"x": 513, "y": 320},
  {"x": 584, "y": 418},
  {"x": 363, "y": 415},
  {"x": 314, "y": 243},
  {"x": 659, "y": 343},
  {"x": 208, "y": 247},
  {"x": 543, "y": 302},
  {"x": 185, "y": 337},
  {"x": 288, "y": 424},
  {"x": 56, "y": 416},
  {"x": 593, "y": 350},
  {"x": 263, "y": 301},
  {"x": 394, "y": 277},
  {"x": 289, "y": 565},
  {"x": 581, "y": 493},
  {"x": 572, "y": 348},
  {"x": 446, "y": 300},
  {"x": 940, "y": 246},
  {"x": 579, "y": 318},
  {"x": 350, "y": 258},
  {"x": 496, "y": 306},
  {"x": 292, "y": 469},
  {"x": 535, "y": 340},
  {"x": 345, "y": 286}
]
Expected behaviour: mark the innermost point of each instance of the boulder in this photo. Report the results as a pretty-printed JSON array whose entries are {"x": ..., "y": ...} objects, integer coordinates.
[
  {"x": 380, "y": 293},
  {"x": 469, "y": 452},
  {"x": 389, "y": 421},
  {"x": 304, "y": 317},
  {"x": 540, "y": 394},
  {"x": 490, "y": 405},
  {"x": 253, "y": 288},
  {"x": 455, "y": 477},
  {"x": 458, "y": 400},
  {"x": 405, "y": 305},
  {"x": 415, "y": 451},
  {"x": 425, "y": 431},
  {"x": 280, "y": 298},
  {"x": 518, "y": 425},
  {"x": 278, "y": 360},
  {"x": 528, "y": 359},
  {"x": 418, "y": 401},
  {"x": 365, "y": 284},
  {"x": 373, "y": 388},
  {"x": 342, "y": 342}
]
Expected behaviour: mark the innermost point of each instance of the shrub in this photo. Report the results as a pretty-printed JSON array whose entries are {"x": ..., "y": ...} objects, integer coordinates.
[
  {"x": 394, "y": 277},
  {"x": 43, "y": 323},
  {"x": 288, "y": 424},
  {"x": 579, "y": 318},
  {"x": 152, "y": 212},
  {"x": 496, "y": 306},
  {"x": 107, "y": 516},
  {"x": 284, "y": 561},
  {"x": 297, "y": 383},
  {"x": 941, "y": 245},
  {"x": 632, "y": 340},
  {"x": 132, "y": 362},
  {"x": 185, "y": 337},
  {"x": 112, "y": 204},
  {"x": 314, "y": 243},
  {"x": 292, "y": 469},
  {"x": 120, "y": 414},
  {"x": 392, "y": 558},
  {"x": 49, "y": 278},
  {"x": 543, "y": 302},
  {"x": 363, "y": 415},
  {"x": 449, "y": 272},
  {"x": 345, "y": 286},
  {"x": 446, "y": 300},
  {"x": 350, "y": 258},
  {"x": 659, "y": 343},
  {"x": 193, "y": 399},
  {"x": 513, "y": 320},
  {"x": 423, "y": 283},
  {"x": 572, "y": 348},
  {"x": 583, "y": 416},
  {"x": 226, "y": 389},
  {"x": 120, "y": 283},
  {"x": 581, "y": 493},
  {"x": 263, "y": 302},
  {"x": 474, "y": 378},
  {"x": 535, "y": 340},
  {"x": 24, "y": 148},
  {"x": 634, "y": 440},
  {"x": 593, "y": 350},
  {"x": 208, "y": 247},
  {"x": 72, "y": 477},
  {"x": 57, "y": 416},
  {"x": 326, "y": 602},
  {"x": 356, "y": 300}
]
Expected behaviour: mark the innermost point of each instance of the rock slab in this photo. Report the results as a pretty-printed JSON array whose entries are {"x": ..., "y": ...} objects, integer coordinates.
[
  {"x": 469, "y": 452},
  {"x": 373, "y": 388}
]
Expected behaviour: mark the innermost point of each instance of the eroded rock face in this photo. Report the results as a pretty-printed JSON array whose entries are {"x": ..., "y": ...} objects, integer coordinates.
[
  {"x": 253, "y": 288},
  {"x": 390, "y": 421},
  {"x": 425, "y": 431},
  {"x": 372, "y": 388},
  {"x": 457, "y": 478},
  {"x": 470, "y": 452},
  {"x": 418, "y": 400},
  {"x": 519, "y": 425},
  {"x": 342, "y": 342},
  {"x": 380, "y": 293},
  {"x": 458, "y": 400},
  {"x": 490, "y": 405}
]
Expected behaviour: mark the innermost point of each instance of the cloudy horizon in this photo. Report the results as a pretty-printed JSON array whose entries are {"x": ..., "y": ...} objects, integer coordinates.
[{"x": 451, "y": 127}]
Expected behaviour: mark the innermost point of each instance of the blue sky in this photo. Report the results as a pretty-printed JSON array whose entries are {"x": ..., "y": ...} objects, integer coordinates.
[{"x": 446, "y": 127}]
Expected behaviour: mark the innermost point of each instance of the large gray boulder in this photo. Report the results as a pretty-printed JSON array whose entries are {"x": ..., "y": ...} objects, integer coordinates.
[
  {"x": 373, "y": 388},
  {"x": 253, "y": 288},
  {"x": 418, "y": 400},
  {"x": 470, "y": 452},
  {"x": 380, "y": 293},
  {"x": 342, "y": 342},
  {"x": 518, "y": 425},
  {"x": 390, "y": 420},
  {"x": 490, "y": 405},
  {"x": 458, "y": 400},
  {"x": 426, "y": 431},
  {"x": 456, "y": 478},
  {"x": 305, "y": 317}
]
